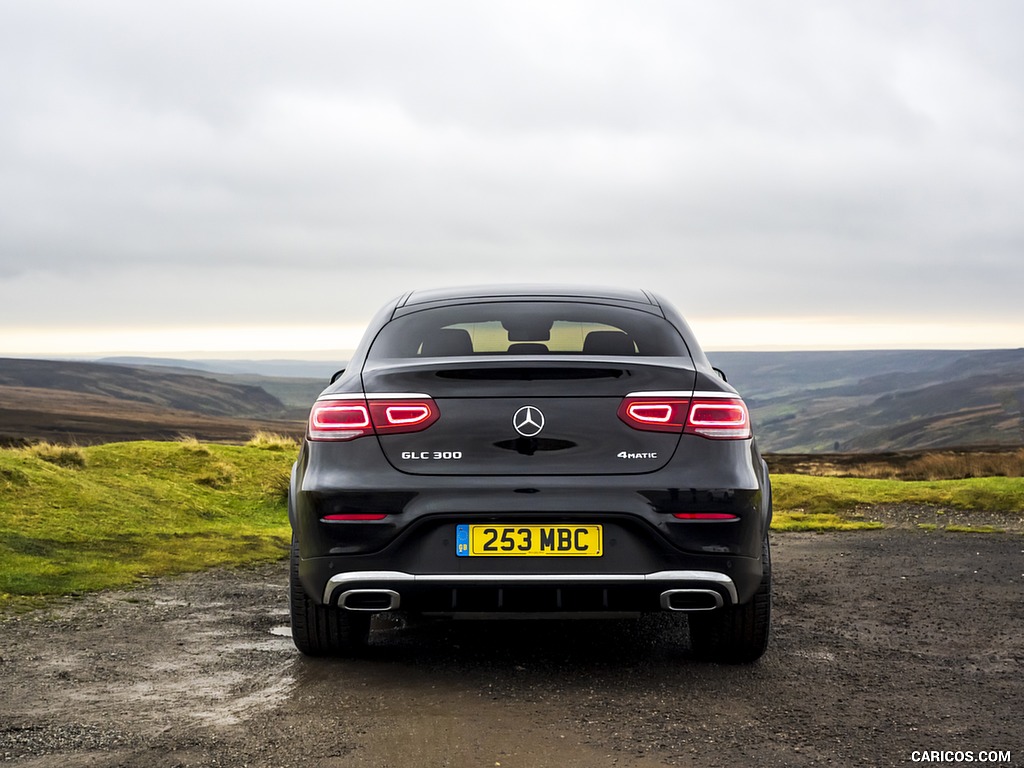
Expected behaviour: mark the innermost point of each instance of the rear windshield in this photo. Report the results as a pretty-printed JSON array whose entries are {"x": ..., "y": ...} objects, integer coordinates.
[{"x": 528, "y": 328}]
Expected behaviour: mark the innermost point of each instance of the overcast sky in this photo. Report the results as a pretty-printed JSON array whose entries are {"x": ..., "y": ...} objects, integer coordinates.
[{"x": 794, "y": 174}]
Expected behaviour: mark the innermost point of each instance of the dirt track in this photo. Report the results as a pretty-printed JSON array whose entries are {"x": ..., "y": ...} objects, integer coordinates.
[{"x": 885, "y": 643}]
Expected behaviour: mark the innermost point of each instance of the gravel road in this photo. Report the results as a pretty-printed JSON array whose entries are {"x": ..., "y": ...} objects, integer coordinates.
[{"x": 885, "y": 643}]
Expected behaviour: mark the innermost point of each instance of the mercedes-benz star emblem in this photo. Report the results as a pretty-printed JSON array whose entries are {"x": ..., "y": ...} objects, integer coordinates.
[{"x": 528, "y": 421}]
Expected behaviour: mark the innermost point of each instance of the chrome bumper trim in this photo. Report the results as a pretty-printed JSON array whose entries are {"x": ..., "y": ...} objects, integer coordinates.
[{"x": 396, "y": 578}]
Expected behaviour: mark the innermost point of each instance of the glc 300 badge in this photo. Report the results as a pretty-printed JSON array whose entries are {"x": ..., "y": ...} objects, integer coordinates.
[{"x": 528, "y": 421}]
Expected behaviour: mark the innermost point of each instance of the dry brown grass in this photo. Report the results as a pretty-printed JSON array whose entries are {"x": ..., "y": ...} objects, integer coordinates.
[
  {"x": 917, "y": 465},
  {"x": 191, "y": 444},
  {"x": 218, "y": 475},
  {"x": 271, "y": 441},
  {"x": 950, "y": 465},
  {"x": 68, "y": 456}
]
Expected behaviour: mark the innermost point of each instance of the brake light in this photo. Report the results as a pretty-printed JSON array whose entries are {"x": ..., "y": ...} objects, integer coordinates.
[
  {"x": 347, "y": 419},
  {"x": 716, "y": 418}
]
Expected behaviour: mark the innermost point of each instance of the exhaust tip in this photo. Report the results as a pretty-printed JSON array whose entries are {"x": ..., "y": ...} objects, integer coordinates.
[
  {"x": 376, "y": 600},
  {"x": 691, "y": 600}
]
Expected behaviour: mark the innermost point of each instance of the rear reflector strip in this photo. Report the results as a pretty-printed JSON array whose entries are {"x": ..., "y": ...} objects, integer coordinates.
[
  {"x": 345, "y": 518},
  {"x": 705, "y": 516}
]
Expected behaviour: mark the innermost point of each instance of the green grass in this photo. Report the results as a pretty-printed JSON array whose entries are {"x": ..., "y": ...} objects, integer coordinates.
[
  {"x": 785, "y": 520},
  {"x": 80, "y": 519},
  {"x": 833, "y": 495},
  {"x": 804, "y": 502},
  {"x": 135, "y": 510},
  {"x": 974, "y": 529}
]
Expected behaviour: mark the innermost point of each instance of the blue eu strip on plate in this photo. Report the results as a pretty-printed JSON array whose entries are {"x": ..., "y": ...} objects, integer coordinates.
[{"x": 462, "y": 541}]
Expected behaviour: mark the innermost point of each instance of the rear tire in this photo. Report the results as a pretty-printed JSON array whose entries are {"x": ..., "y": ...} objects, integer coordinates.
[
  {"x": 736, "y": 634},
  {"x": 323, "y": 630}
]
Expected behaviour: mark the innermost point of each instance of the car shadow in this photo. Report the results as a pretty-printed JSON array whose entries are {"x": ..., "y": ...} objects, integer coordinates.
[{"x": 521, "y": 653}]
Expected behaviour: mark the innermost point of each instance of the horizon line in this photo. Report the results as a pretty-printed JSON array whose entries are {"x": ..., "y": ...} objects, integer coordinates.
[{"x": 314, "y": 355}]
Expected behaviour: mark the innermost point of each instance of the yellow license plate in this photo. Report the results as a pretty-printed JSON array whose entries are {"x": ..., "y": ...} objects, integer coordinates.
[{"x": 529, "y": 540}]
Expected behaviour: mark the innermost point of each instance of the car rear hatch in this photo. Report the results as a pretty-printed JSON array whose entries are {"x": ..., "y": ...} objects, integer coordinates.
[{"x": 528, "y": 416}]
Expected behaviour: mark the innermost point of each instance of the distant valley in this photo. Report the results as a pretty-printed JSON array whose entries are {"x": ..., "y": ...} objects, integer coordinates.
[
  {"x": 801, "y": 402},
  {"x": 87, "y": 403},
  {"x": 812, "y": 402}
]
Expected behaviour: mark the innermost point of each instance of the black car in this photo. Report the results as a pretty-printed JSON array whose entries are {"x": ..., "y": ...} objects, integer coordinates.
[{"x": 528, "y": 450}]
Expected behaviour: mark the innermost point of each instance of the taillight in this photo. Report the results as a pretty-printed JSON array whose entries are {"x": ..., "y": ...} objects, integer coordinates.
[
  {"x": 339, "y": 420},
  {"x": 716, "y": 418},
  {"x": 347, "y": 419},
  {"x": 402, "y": 416},
  {"x": 654, "y": 415}
]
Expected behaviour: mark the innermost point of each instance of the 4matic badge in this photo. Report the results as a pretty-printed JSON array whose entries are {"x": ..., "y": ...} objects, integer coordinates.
[{"x": 628, "y": 455}]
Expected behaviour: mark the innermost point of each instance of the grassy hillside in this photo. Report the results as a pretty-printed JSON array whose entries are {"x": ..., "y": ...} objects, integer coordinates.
[{"x": 76, "y": 519}]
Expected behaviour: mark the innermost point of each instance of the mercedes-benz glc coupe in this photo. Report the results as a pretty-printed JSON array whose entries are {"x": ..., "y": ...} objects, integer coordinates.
[{"x": 530, "y": 450}]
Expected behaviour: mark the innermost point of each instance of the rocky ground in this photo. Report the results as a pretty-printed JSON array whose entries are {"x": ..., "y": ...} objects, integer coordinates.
[{"x": 885, "y": 643}]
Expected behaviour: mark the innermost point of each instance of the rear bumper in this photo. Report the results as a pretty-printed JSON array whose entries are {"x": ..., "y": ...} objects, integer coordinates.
[
  {"x": 533, "y": 594},
  {"x": 657, "y": 582}
]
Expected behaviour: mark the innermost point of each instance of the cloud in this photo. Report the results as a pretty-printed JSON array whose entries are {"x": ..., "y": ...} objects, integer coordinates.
[{"x": 236, "y": 160}]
